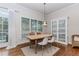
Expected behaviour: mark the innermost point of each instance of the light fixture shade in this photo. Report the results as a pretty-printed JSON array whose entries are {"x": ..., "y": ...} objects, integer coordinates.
[{"x": 45, "y": 23}]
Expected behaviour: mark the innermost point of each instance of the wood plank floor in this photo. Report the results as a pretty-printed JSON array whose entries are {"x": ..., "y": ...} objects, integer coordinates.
[{"x": 64, "y": 50}]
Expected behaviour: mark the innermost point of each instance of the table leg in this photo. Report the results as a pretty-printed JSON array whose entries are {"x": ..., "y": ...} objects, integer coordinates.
[
  {"x": 35, "y": 46},
  {"x": 30, "y": 44}
]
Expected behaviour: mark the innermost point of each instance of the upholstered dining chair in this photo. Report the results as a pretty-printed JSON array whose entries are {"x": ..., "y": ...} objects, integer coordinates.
[
  {"x": 31, "y": 33},
  {"x": 75, "y": 40},
  {"x": 43, "y": 43},
  {"x": 39, "y": 33}
]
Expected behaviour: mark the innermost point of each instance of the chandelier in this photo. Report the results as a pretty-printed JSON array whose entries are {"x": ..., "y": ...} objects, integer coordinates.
[{"x": 45, "y": 22}]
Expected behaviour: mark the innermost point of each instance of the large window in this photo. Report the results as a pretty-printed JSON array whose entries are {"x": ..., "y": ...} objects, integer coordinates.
[
  {"x": 30, "y": 25},
  {"x": 36, "y": 26},
  {"x": 59, "y": 30},
  {"x": 25, "y": 27},
  {"x": 40, "y": 26},
  {"x": 33, "y": 25},
  {"x": 3, "y": 25}
]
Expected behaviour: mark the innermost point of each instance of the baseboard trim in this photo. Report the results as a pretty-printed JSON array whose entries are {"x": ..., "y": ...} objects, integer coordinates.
[
  {"x": 10, "y": 47},
  {"x": 62, "y": 42},
  {"x": 19, "y": 45}
]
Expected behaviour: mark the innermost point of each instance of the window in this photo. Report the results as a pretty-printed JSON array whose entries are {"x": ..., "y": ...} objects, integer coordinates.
[
  {"x": 59, "y": 30},
  {"x": 25, "y": 27},
  {"x": 40, "y": 24},
  {"x": 33, "y": 25},
  {"x": 30, "y": 25},
  {"x": 3, "y": 25}
]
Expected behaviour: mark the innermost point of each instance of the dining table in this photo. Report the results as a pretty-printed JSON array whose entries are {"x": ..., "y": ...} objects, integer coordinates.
[{"x": 37, "y": 37}]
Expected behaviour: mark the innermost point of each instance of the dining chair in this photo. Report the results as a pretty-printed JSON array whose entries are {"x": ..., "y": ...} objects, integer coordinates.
[
  {"x": 39, "y": 33},
  {"x": 31, "y": 33},
  {"x": 51, "y": 41},
  {"x": 75, "y": 40},
  {"x": 43, "y": 43}
]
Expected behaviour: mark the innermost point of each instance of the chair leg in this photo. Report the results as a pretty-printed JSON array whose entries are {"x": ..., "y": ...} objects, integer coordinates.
[
  {"x": 51, "y": 44},
  {"x": 42, "y": 50},
  {"x": 30, "y": 44},
  {"x": 47, "y": 48}
]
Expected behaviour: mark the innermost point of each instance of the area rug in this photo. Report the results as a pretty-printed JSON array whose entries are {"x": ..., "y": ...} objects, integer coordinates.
[{"x": 50, "y": 51}]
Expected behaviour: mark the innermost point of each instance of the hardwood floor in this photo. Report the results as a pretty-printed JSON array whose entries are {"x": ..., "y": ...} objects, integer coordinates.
[
  {"x": 67, "y": 50},
  {"x": 64, "y": 50},
  {"x": 17, "y": 51}
]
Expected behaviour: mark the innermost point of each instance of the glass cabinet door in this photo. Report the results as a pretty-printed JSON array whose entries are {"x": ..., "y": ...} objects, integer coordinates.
[
  {"x": 33, "y": 25},
  {"x": 40, "y": 26},
  {"x": 25, "y": 27}
]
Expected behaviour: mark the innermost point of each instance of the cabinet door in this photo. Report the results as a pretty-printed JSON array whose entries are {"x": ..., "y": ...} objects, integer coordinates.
[
  {"x": 40, "y": 26},
  {"x": 33, "y": 25},
  {"x": 25, "y": 27}
]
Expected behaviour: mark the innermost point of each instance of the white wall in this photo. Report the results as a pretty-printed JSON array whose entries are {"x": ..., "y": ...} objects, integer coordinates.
[
  {"x": 73, "y": 22},
  {"x": 16, "y": 12}
]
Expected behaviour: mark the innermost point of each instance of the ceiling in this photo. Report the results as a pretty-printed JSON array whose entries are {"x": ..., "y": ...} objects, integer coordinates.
[{"x": 49, "y": 7}]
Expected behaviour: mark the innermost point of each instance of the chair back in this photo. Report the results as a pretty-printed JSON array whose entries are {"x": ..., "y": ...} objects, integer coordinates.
[
  {"x": 38, "y": 33},
  {"x": 32, "y": 33},
  {"x": 53, "y": 39},
  {"x": 45, "y": 40}
]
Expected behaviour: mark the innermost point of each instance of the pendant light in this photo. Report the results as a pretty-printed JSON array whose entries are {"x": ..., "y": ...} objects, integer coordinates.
[{"x": 45, "y": 22}]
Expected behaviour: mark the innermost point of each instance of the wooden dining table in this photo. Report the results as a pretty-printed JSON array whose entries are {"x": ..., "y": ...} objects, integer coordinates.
[{"x": 37, "y": 37}]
